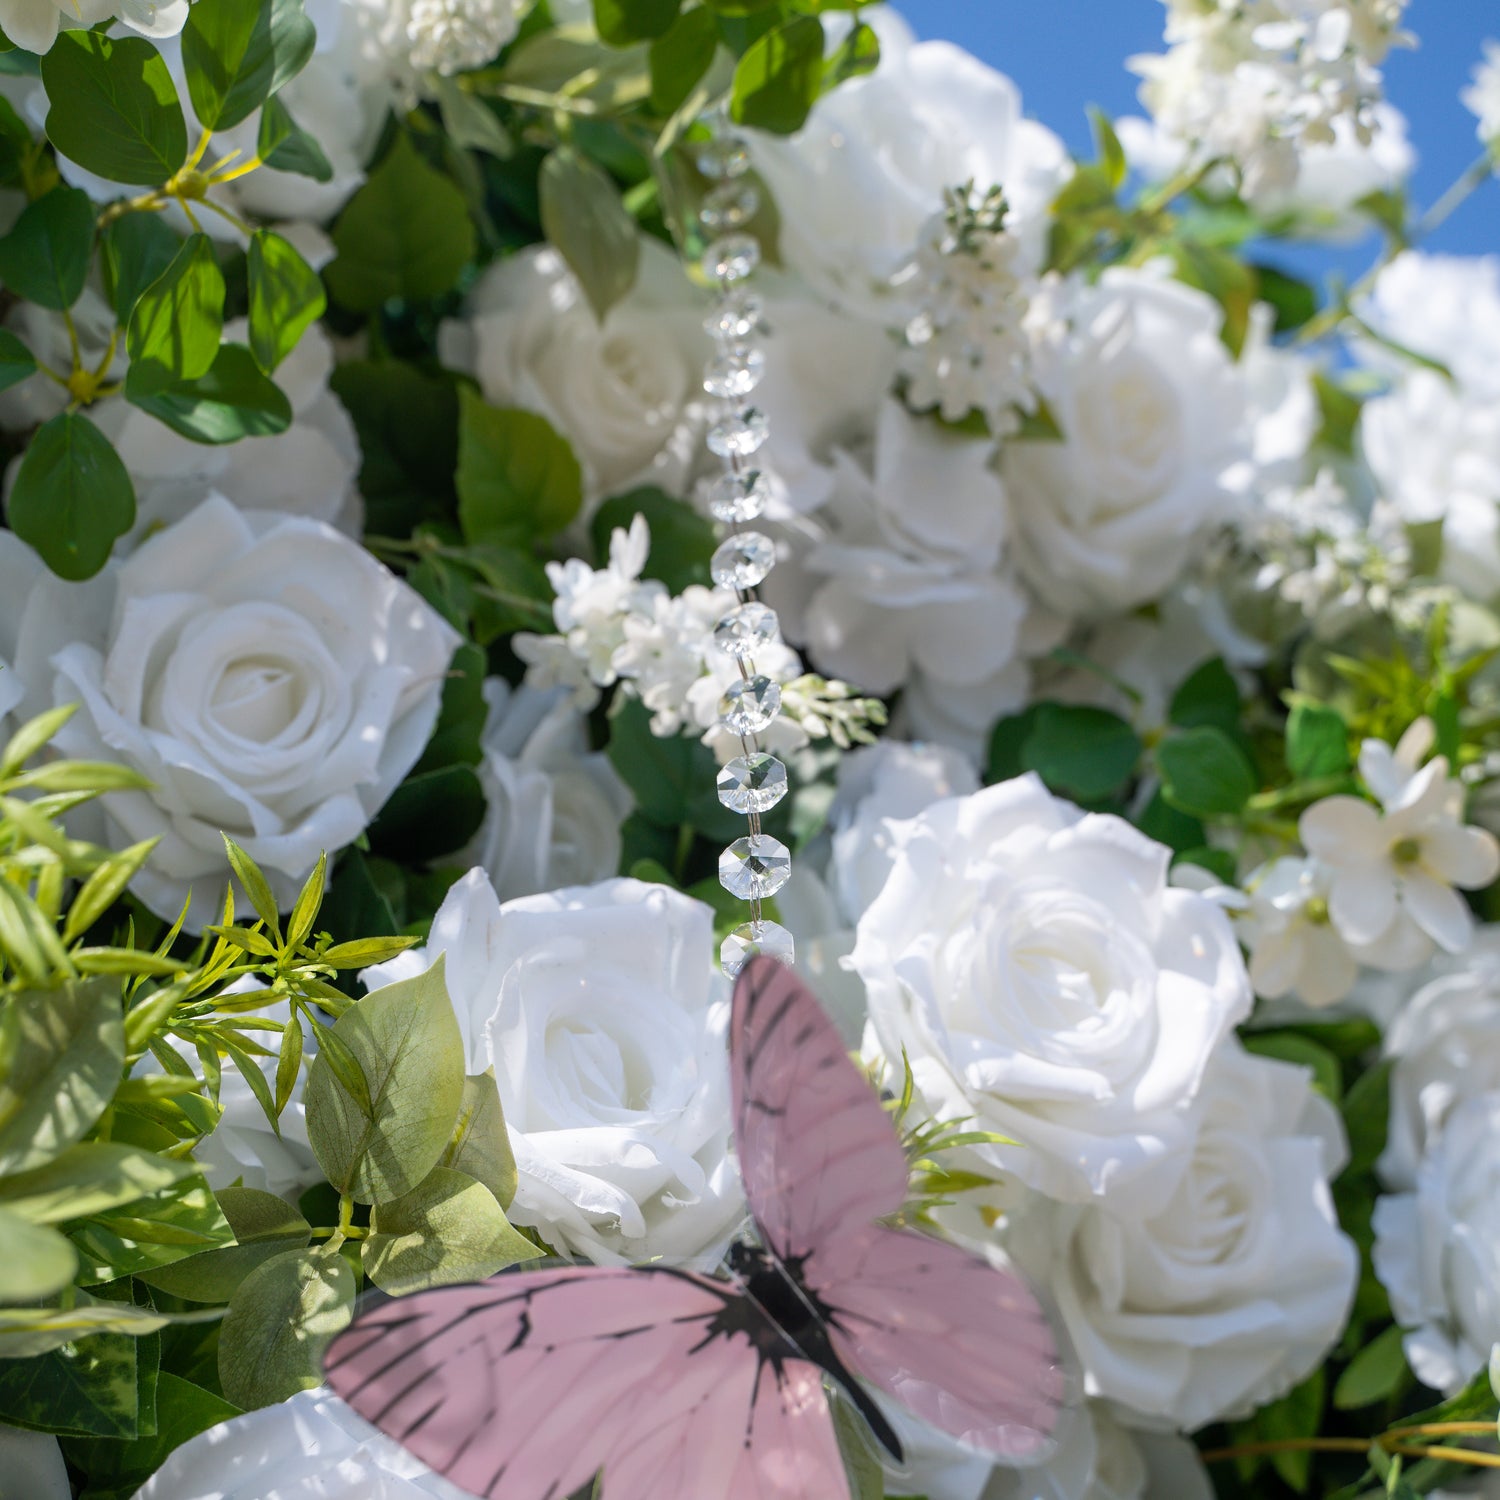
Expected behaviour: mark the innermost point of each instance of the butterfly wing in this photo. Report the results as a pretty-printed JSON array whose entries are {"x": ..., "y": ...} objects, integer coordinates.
[{"x": 526, "y": 1386}]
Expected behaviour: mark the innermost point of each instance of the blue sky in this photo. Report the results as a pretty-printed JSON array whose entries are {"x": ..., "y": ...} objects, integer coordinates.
[{"x": 1068, "y": 54}]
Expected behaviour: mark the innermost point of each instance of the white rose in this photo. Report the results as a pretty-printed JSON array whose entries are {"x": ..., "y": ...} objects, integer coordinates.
[
  {"x": 266, "y": 675},
  {"x": 603, "y": 1014},
  {"x": 554, "y": 808},
  {"x": 311, "y": 1447},
  {"x": 1044, "y": 980},
  {"x": 1153, "y": 416},
  {"x": 1437, "y": 1249},
  {"x": 34, "y": 24},
  {"x": 626, "y": 393},
  {"x": 1225, "y": 1296},
  {"x": 856, "y": 184},
  {"x": 33, "y": 1463}
]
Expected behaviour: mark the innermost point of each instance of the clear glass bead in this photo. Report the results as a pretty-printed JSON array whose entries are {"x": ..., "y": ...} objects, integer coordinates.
[
  {"x": 731, "y": 205},
  {"x": 724, "y": 156},
  {"x": 735, "y": 372},
  {"x": 755, "y": 940},
  {"x": 735, "y": 317},
  {"x": 739, "y": 435},
  {"x": 757, "y": 866},
  {"x": 746, "y": 629},
  {"x": 743, "y": 560},
  {"x": 734, "y": 498},
  {"x": 752, "y": 783},
  {"x": 732, "y": 258},
  {"x": 747, "y": 707}
]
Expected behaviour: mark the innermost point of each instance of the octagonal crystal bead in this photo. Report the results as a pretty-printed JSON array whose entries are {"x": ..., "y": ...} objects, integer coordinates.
[
  {"x": 734, "y": 498},
  {"x": 755, "y": 940},
  {"x": 732, "y": 257},
  {"x": 748, "y": 706},
  {"x": 755, "y": 867},
  {"x": 746, "y": 629},
  {"x": 724, "y": 156},
  {"x": 731, "y": 205},
  {"x": 735, "y": 373},
  {"x": 736, "y": 317},
  {"x": 739, "y": 435},
  {"x": 743, "y": 560},
  {"x": 752, "y": 783}
]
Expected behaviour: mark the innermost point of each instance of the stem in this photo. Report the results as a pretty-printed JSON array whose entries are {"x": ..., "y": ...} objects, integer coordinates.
[
  {"x": 109, "y": 353},
  {"x": 685, "y": 836},
  {"x": 518, "y": 93},
  {"x": 223, "y": 213},
  {"x": 242, "y": 170},
  {"x": 1471, "y": 177},
  {"x": 1444, "y": 1429},
  {"x": 1445, "y": 1455},
  {"x": 192, "y": 218},
  {"x": 151, "y": 202},
  {"x": 73, "y": 340},
  {"x": 1174, "y": 187},
  {"x": 1304, "y": 791},
  {"x": 198, "y": 150}
]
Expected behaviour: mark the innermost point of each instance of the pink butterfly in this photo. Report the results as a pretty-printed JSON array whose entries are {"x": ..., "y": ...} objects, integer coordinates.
[{"x": 674, "y": 1386}]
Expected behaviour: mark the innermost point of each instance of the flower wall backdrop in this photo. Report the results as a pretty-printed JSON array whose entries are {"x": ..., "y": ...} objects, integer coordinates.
[{"x": 372, "y": 708}]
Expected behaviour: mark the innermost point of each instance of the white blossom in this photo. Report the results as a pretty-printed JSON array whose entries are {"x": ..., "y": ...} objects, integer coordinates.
[
  {"x": 1482, "y": 97},
  {"x": 34, "y": 24},
  {"x": 1295, "y": 948},
  {"x": 409, "y": 40}
]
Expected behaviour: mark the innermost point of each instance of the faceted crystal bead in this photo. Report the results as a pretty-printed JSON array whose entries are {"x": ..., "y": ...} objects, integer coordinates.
[
  {"x": 743, "y": 561},
  {"x": 731, "y": 258},
  {"x": 756, "y": 866},
  {"x": 736, "y": 317},
  {"x": 752, "y": 783},
  {"x": 739, "y": 435},
  {"x": 734, "y": 373},
  {"x": 747, "y": 707},
  {"x": 730, "y": 206},
  {"x": 724, "y": 156},
  {"x": 755, "y": 940},
  {"x": 734, "y": 498},
  {"x": 746, "y": 629}
]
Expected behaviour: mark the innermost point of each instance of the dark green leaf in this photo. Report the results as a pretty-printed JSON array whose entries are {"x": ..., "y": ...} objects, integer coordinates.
[
  {"x": 286, "y": 296},
  {"x": 621, "y": 22},
  {"x": 430, "y": 814},
  {"x": 87, "y": 1389},
  {"x": 113, "y": 108},
  {"x": 517, "y": 476},
  {"x": 680, "y": 57},
  {"x": 406, "y": 233},
  {"x": 1007, "y": 741},
  {"x": 1367, "y": 1113},
  {"x": 682, "y": 539},
  {"x": 138, "y": 248},
  {"x": 1087, "y": 754},
  {"x": 1177, "y": 830},
  {"x": 16, "y": 360},
  {"x": 1218, "y": 862},
  {"x": 455, "y": 739},
  {"x": 856, "y": 55},
  {"x": 1294, "y": 300},
  {"x": 72, "y": 496},
  {"x": 1205, "y": 773},
  {"x": 1210, "y": 696},
  {"x": 45, "y": 258},
  {"x": 264, "y": 1226},
  {"x": 287, "y": 147},
  {"x": 1317, "y": 742},
  {"x": 233, "y": 400},
  {"x": 780, "y": 77},
  {"x": 584, "y": 219},
  {"x": 1293, "y": 1047},
  {"x": 237, "y": 53},
  {"x": 672, "y": 778},
  {"x": 175, "y": 327},
  {"x": 1376, "y": 1373}
]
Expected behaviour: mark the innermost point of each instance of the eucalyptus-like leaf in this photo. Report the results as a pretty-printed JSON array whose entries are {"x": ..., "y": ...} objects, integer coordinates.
[
  {"x": 264, "y": 1226},
  {"x": 583, "y": 217},
  {"x": 481, "y": 1144}
]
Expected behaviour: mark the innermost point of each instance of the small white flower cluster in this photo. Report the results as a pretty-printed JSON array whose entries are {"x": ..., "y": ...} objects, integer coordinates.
[
  {"x": 967, "y": 348},
  {"x": 1482, "y": 97},
  {"x": 1256, "y": 81},
  {"x": 411, "y": 39}
]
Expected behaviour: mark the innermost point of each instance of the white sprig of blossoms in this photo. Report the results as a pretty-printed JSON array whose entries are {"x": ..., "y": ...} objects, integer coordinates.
[
  {"x": 1482, "y": 97},
  {"x": 414, "y": 39}
]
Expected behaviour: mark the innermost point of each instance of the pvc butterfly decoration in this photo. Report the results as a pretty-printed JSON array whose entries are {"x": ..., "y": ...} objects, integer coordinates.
[{"x": 668, "y": 1385}]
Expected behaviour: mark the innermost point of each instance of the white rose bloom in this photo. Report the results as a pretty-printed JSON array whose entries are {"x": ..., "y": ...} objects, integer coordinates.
[
  {"x": 1446, "y": 1044},
  {"x": 1044, "y": 980},
  {"x": 626, "y": 393},
  {"x": 33, "y": 1463},
  {"x": 34, "y": 24},
  {"x": 1482, "y": 97},
  {"x": 857, "y": 183},
  {"x": 265, "y": 673},
  {"x": 605, "y": 1019},
  {"x": 310, "y": 1447},
  {"x": 1437, "y": 1249},
  {"x": 1153, "y": 415},
  {"x": 554, "y": 807},
  {"x": 1225, "y": 1296}
]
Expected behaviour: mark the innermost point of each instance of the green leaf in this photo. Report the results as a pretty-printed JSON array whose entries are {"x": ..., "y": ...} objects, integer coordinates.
[
  {"x": 72, "y": 496},
  {"x": 233, "y": 400},
  {"x": 680, "y": 56},
  {"x": 286, "y": 297},
  {"x": 856, "y": 55},
  {"x": 113, "y": 108},
  {"x": 281, "y": 1318},
  {"x": 61, "y": 1055},
  {"x": 1205, "y": 773},
  {"x": 285, "y": 146},
  {"x": 862, "y": 1463},
  {"x": 1227, "y": 279},
  {"x": 1295, "y": 301},
  {"x": 1340, "y": 411},
  {"x": 469, "y": 121},
  {"x": 254, "y": 884},
  {"x": 16, "y": 361},
  {"x": 1317, "y": 742},
  {"x": 1376, "y": 1373},
  {"x": 584, "y": 219},
  {"x": 621, "y": 22},
  {"x": 1210, "y": 696},
  {"x": 38, "y": 1261},
  {"x": 682, "y": 540},
  {"x": 481, "y": 1144},
  {"x": 180, "y": 1221},
  {"x": 91, "y": 1389},
  {"x": 45, "y": 257},
  {"x": 309, "y": 900},
  {"x": 137, "y": 249},
  {"x": 366, "y": 951},
  {"x": 1161, "y": 821},
  {"x": 517, "y": 477},
  {"x": 28, "y": 938},
  {"x": 406, "y": 1040},
  {"x": 1111, "y": 152},
  {"x": 447, "y": 1230},
  {"x": 264, "y": 1227},
  {"x": 104, "y": 887},
  {"x": 1292, "y": 1047},
  {"x": 1297, "y": 1415},
  {"x": 672, "y": 779},
  {"x": 461, "y": 717},
  {"x": 177, "y": 322},
  {"x": 779, "y": 78},
  {"x": 429, "y": 815},
  {"x": 88, "y": 1179},
  {"x": 1087, "y": 754},
  {"x": 1367, "y": 1113},
  {"x": 406, "y": 233},
  {"x": 237, "y": 53},
  {"x": 26, "y": 1332}
]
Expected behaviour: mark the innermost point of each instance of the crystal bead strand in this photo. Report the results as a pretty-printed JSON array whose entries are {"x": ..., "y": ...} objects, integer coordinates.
[{"x": 757, "y": 866}]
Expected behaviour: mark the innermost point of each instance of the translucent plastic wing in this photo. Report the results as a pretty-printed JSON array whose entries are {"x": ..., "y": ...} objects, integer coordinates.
[
  {"x": 528, "y": 1385},
  {"x": 960, "y": 1342}
]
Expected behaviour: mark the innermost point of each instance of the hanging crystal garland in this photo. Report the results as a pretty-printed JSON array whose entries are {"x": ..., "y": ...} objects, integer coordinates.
[{"x": 757, "y": 866}]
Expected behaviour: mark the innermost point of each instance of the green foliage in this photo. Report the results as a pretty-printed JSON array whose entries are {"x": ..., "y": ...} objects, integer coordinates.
[
  {"x": 1205, "y": 774},
  {"x": 517, "y": 477},
  {"x": 176, "y": 322},
  {"x": 237, "y": 53},
  {"x": 45, "y": 257},
  {"x": 682, "y": 539},
  {"x": 232, "y": 400},
  {"x": 621, "y": 22},
  {"x": 286, "y": 298},
  {"x": 583, "y": 217},
  {"x": 780, "y": 77}
]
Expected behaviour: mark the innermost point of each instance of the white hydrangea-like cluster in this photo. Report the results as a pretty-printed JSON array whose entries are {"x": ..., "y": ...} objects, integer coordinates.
[{"x": 410, "y": 40}]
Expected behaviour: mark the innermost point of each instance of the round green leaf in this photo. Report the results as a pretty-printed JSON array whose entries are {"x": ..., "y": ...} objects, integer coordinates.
[
  {"x": 38, "y": 1262},
  {"x": 237, "y": 53},
  {"x": 286, "y": 147},
  {"x": 778, "y": 79},
  {"x": 137, "y": 249},
  {"x": 264, "y": 1226},
  {"x": 517, "y": 476},
  {"x": 584, "y": 219},
  {"x": 233, "y": 400},
  {"x": 279, "y": 1322},
  {"x": 72, "y": 496},
  {"x": 621, "y": 22},
  {"x": 286, "y": 295},
  {"x": 1205, "y": 773},
  {"x": 61, "y": 1056},
  {"x": 406, "y": 1041},
  {"x": 177, "y": 321},
  {"x": 16, "y": 360},
  {"x": 1084, "y": 753},
  {"x": 45, "y": 258},
  {"x": 481, "y": 1143},
  {"x": 113, "y": 108}
]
